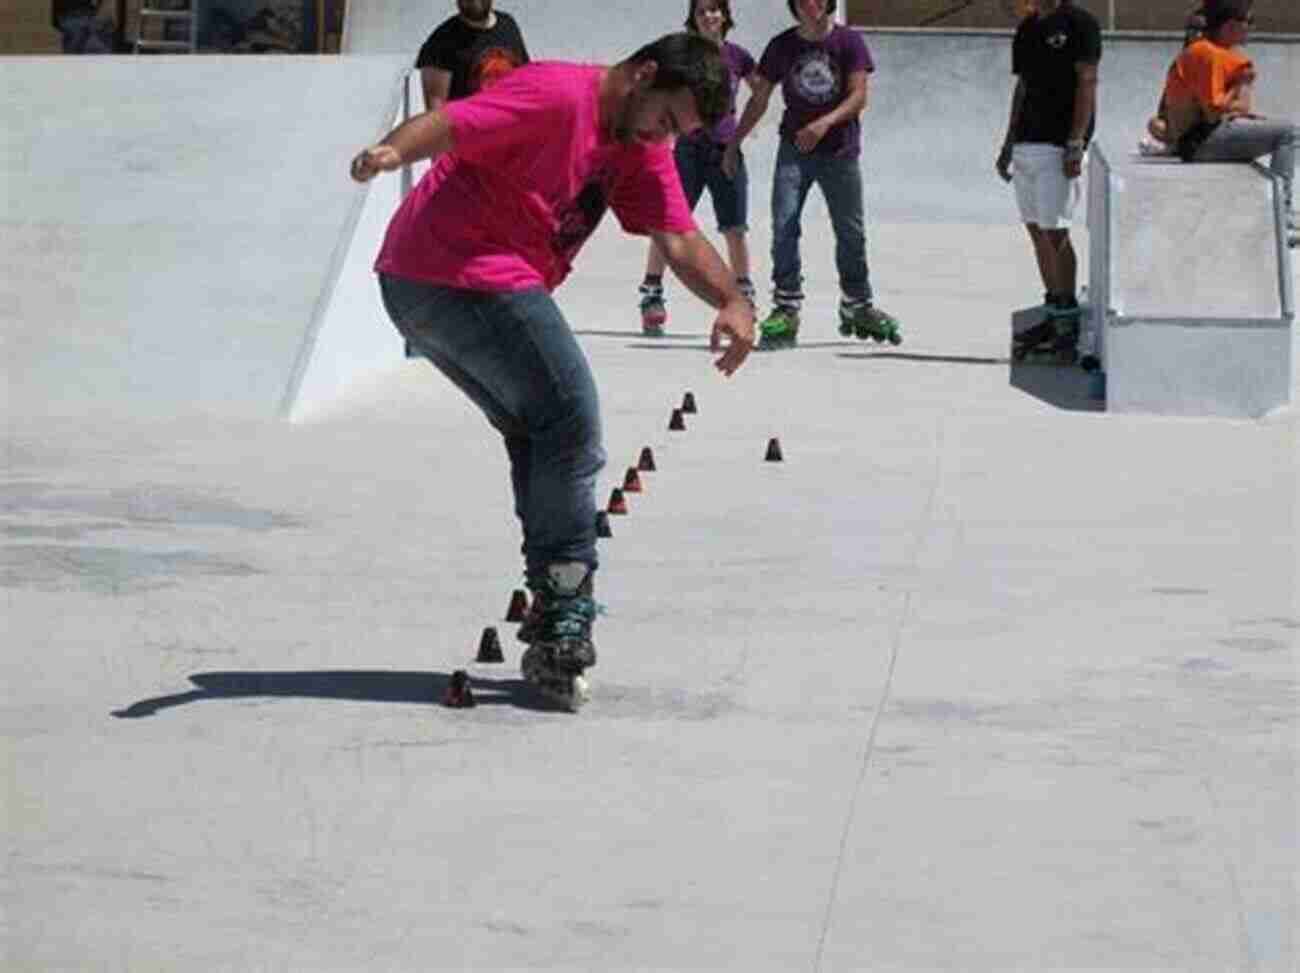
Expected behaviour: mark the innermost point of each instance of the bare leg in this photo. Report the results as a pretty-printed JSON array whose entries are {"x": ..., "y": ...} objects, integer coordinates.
[
  {"x": 1043, "y": 256},
  {"x": 655, "y": 262},
  {"x": 1065, "y": 271}
]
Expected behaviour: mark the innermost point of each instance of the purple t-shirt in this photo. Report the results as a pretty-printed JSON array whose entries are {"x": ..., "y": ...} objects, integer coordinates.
[
  {"x": 814, "y": 79},
  {"x": 740, "y": 65}
]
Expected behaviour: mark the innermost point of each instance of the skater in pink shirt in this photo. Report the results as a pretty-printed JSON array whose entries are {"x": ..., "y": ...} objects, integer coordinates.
[{"x": 523, "y": 172}]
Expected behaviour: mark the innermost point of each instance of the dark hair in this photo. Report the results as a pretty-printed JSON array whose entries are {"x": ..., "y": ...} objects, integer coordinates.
[
  {"x": 794, "y": 7},
  {"x": 723, "y": 5},
  {"x": 691, "y": 61},
  {"x": 1219, "y": 12},
  {"x": 1194, "y": 29}
]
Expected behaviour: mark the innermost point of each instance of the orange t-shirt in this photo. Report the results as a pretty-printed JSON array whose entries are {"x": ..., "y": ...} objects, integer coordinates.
[{"x": 1205, "y": 73}]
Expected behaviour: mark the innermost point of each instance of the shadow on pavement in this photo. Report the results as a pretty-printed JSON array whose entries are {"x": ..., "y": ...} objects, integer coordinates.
[
  {"x": 945, "y": 359},
  {"x": 424, "y": 688},
  {"x": 1064, "y": 386}
]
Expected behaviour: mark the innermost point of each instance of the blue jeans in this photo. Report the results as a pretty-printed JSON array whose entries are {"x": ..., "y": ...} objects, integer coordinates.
[
  {"x": 514, "y": 356},
  {"x": 1246, "y": 139},
  {"x": 841, "y": 185},
  {"x": 699, "y": 165}
]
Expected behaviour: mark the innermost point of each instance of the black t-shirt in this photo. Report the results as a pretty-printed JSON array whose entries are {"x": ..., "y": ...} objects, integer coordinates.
[
  {"x": 474, "y": 56},
  {"x": 1044, "y": 55}
]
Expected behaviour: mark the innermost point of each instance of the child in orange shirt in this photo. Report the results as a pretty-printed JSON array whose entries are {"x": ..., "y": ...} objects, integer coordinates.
[{"x": 1208, "y": 102}]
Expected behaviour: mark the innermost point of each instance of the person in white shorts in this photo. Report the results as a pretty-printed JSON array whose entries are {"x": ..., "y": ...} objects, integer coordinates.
[{"x": 1055, "y": 55}]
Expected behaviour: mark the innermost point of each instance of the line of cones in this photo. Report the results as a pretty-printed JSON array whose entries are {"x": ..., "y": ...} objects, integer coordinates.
[{"x": 458, "y": 693}]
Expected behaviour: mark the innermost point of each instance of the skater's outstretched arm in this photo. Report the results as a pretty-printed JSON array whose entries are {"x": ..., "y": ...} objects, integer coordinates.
[
  {"x": 702, "y": 270},
  {"x": 425, "y": 136}
]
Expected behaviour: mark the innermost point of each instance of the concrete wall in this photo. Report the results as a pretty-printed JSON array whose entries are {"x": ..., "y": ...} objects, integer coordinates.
[
  {"x": 939, "y": 101},
  {"x": 172, "y": 226}
]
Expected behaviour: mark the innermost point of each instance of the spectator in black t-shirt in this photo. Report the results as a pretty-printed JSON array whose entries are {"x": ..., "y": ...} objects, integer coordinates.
[
  {"x": 1054, "y": 56},
  {"x": 83, "y": 30},
  {"x": 469, "y": 51}
]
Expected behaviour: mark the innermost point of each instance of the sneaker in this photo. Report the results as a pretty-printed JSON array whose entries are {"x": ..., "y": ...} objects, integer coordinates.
[
  {"x": 868, "y": 321},
  {"x": 561, "y": 648},
  {"x": 780, "y": 329}
]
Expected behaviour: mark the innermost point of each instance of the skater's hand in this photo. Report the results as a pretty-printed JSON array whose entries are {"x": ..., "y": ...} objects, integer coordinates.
[
  {"x": 731, "y": 160},
  {"x": 374, "y": 160},
  {"x": 806, "y": 138},
  {"x": 736, "y": 321},
  {"x": 1003, "y": 165},
  {"x": 1072, "y": 164}
]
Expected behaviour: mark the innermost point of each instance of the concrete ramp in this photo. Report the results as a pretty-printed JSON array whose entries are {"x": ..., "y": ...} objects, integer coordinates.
[
  {"x": 175, "y": 229},
  {"x": 1192, "y": 288}
]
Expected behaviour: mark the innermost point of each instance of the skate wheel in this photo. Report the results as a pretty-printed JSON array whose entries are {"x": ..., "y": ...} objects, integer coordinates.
[{"x": 579, "y": 693}]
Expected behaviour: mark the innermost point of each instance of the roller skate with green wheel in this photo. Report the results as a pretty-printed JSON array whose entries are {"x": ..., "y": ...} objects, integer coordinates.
[
  {"x": 780, "y": 329},
  {"x": 868, "y": 321},
  {"x": 1055, "y": 339}
]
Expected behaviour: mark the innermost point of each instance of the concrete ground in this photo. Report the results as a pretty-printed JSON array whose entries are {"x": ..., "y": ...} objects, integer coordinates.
[{"x": 979, "y": 677}]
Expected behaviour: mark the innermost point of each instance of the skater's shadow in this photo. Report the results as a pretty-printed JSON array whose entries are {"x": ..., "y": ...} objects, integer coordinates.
[
  {"x": 420, "y": 688},
  {"x": 917, "y": 357}
]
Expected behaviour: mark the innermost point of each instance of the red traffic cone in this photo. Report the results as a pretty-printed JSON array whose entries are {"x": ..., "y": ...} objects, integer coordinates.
[
  {"x": 688, "y": 403},
  {"x": 458, "y": 695},
  {"x": 646, "y": 464},
  {"x": 774, "y": 451},
  {"x": 617, "y": 505},
  {"x": 518, "y": 606},
  {"x": 677, "y": 423},
  {"x": 632, "y": 482},
  {"x": 489, "y": 647},
  {"x": 602, "y": 524}
]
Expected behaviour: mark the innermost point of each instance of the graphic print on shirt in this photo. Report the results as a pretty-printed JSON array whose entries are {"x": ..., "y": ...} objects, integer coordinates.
[
  {"x": 491, "y": 65},
  {"x": 579, "y": 219},
  {"x": 816, "y": 78}
]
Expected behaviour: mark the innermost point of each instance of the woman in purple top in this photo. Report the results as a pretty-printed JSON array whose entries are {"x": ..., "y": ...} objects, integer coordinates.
[
  {"x": 699, "y": 165},
  {"x": 822, "y": 70}
]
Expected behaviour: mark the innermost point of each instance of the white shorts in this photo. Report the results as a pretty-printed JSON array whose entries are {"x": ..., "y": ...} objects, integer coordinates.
[{"x": 1045, "y": 196}]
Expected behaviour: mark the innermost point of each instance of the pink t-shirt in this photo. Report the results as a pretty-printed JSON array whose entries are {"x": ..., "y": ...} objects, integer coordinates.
[{"x": 527, "y": 183}]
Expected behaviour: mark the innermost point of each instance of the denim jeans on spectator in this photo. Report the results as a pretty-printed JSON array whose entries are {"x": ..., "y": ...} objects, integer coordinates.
[
  {"x": 515, "y": 357},
  {"x": 86, "y": 34},
  {"x": 841, "y": 185},
  {"x": 699, "y": 165},
  {"x": 1247, "y": 139}
]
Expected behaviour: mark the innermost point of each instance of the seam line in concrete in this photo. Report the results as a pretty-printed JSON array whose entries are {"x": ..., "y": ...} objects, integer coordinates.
[{"x": 895, "y": 643}]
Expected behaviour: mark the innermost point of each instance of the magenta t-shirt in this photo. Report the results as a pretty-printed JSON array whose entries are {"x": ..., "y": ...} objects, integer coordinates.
[{"x": 528, "y": 181}]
